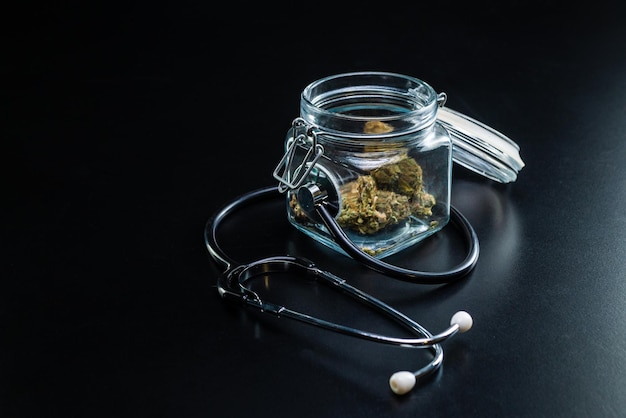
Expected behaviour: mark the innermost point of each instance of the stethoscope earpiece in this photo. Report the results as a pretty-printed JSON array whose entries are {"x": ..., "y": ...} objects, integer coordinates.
[
  {"x": 463, "y": 320},
  {"x": 402, "y": 382}
]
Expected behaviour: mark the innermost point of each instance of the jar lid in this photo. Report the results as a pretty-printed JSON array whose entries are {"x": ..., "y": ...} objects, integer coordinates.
[{"x": 481, "y": 148}]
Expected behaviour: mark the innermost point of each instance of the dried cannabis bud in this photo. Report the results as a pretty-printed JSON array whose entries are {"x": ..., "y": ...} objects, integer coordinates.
[
  {"x": 367, "y": 209},
  {"x": 390, "y": 194},
  {"x": 387, "y": 196},
  {"x": 377, "y": 127},
  {"x": 297, "y": 211},
  {"x": 403, "y": 177}
]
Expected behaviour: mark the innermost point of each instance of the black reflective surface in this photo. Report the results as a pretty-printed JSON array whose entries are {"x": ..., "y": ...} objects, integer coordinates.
[{"x": 125, "y": 128}]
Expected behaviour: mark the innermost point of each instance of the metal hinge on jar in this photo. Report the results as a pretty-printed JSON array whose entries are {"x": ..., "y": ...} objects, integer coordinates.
[{"x": 290, "y": 172}]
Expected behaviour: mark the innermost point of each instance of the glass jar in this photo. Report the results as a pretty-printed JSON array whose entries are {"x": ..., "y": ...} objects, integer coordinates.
[{"x": 371, "y": 141}]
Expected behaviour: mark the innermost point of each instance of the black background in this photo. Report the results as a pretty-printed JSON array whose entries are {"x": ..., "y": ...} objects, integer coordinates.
[{"x": 125, "y": 126}]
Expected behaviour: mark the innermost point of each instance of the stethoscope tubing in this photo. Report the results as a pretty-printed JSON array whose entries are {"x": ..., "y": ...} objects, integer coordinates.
[
  {"x": 232, "y": 285},
  {"x": 397, "y": 272},
  {"x": 210, "y": 231}
]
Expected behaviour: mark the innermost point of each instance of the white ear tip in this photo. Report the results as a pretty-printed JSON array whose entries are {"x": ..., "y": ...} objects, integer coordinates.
[
  {"x": 402, "y": 382},
  {"x": 464, "y": 320}
]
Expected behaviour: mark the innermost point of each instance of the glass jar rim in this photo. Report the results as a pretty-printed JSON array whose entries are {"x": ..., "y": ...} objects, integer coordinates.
[
  {"x": 416, "y": 100},
  {"x": 476, "y": 146}
]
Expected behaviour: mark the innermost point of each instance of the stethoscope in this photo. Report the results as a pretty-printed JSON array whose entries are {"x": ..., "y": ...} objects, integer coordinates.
[{"x": 232, "y": 283}]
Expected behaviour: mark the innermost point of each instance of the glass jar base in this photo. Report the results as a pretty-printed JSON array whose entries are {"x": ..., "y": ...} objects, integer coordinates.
[{"x": 380, "y": 247}]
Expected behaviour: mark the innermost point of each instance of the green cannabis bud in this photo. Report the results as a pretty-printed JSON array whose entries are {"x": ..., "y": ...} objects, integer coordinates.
[
  {"x": 367, "y": 209},
  {"x": 389, "y": 195}
]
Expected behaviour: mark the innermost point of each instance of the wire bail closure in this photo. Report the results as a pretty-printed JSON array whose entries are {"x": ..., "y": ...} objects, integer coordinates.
[{"x": 290, "y": 173}]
